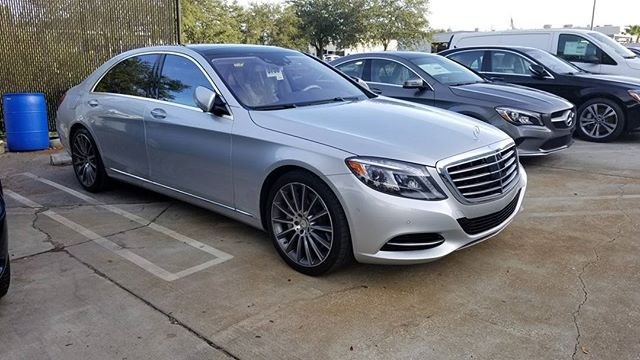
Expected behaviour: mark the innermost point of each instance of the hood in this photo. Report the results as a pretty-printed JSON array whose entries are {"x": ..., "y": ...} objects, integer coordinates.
[
  {"x": 634, "y": 64},
  {"x": 622, "y": 80},
  {"x": 514, "y": 96},
  {"x": 383, "y": 127}
]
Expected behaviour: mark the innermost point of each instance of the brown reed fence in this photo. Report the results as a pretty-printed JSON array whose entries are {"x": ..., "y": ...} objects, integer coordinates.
[{"x": 51, "y": 45}]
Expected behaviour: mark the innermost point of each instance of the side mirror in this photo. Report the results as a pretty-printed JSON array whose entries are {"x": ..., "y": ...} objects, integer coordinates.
[
  {"x": 209, "y": 101},
  {"x": 538, "y": 71},
  {"x": 414, "y": 84},
  {"x": 361, "y": 82}
]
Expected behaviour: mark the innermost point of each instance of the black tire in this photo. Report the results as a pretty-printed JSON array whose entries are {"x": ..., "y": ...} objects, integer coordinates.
[
  {"x": 594, "y": 126},
  {"x": 86, "y": 160},
  {"x": 309, "y": 234},
  {"x": 5, "y": 280}
]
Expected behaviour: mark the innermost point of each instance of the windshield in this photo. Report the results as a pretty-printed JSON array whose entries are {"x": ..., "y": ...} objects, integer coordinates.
[
  {"x": 446, "y": 71},
  {"x": 552, "y": 62},
  {"x": 274, "y": 80},
  {"x": 613, "y": 45}
]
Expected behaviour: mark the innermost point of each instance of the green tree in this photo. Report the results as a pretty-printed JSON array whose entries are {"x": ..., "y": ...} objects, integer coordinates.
[
  {"x": 338, "y": 22},
  {"x": 273, "y": 24},
  {"x": 211, "y": 21},
  {"x": 633, "y": 30},
  {"x": 401, "y": 20}
]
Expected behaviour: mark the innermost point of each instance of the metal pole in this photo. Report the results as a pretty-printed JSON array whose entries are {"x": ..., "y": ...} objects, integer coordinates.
[
  {"x": 593, "y": 13},
  {"x": 179, "y": 22}
]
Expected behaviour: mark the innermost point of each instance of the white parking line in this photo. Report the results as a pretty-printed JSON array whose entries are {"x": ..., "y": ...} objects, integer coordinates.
[
  {"x": 220, "y": 255},
  {"x": 105, "y": 243}
]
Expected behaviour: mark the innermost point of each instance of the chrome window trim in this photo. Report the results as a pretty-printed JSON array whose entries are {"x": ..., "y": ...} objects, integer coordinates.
[
  {"x": 503, "y": 50},
  {"x": 163, "y": 52},
  {"x": 181, "y": 192},
  {"x": 393, "y": 60},
  {"x": 442, "y": 165}
]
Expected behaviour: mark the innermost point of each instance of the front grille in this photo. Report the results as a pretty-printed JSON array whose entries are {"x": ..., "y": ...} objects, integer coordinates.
[
  {"x": 480, "y": 224},
  {"x": 563, "y": 119},
  {"x": 487, "y": 176}
]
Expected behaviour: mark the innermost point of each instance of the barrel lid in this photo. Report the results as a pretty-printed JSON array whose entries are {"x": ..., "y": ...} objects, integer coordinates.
[{"x": 23, "y": 94}]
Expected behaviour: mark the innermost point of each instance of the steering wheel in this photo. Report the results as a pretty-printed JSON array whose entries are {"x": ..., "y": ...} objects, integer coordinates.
[{"x": 311, "y": 87}]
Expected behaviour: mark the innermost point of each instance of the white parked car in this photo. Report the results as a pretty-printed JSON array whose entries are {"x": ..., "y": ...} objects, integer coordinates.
[{"x": 590, "y": 50}]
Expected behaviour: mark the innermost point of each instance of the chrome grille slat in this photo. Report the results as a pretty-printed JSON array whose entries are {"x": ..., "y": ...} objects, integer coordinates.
[
  {"x": 509, "y": 172},
  {"x": 486, "y": 176}
]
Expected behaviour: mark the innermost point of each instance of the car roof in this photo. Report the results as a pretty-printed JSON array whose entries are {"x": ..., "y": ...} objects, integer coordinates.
[
  {"x": 396, "y": 54},
  {"x": 228, "y": 50},
  {"x": 492, "y": 47}
]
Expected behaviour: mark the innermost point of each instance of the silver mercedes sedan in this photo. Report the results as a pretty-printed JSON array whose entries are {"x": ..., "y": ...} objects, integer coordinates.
[{"x": 283, "y": 142}]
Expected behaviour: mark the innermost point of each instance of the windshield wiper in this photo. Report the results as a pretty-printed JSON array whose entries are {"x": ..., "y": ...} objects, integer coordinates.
[{"x": 275, "y": 107}]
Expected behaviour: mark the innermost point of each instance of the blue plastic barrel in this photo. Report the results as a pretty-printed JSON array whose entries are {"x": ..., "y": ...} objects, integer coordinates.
[{"x": 25, "y": 121}]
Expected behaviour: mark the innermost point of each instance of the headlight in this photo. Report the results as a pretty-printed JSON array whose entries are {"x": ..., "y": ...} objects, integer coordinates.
[
  {"x": 519, "y": 117},
  {"x": 396, "y": 178},
  {"x": 635, "y": 94}
]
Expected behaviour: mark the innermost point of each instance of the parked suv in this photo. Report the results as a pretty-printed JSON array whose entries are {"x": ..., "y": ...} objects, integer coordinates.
[
  {"x": 590, "y": 50},
  {"x": 608, "y": 106},
  {"x": 539, "y": 122},
  {"x": 5, "y": 267},
  {"x": 284, "y": 142}
]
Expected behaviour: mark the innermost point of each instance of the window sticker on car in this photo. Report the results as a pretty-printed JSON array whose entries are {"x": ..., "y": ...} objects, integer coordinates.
[
  {"x": 575, "y": 48},
  {"x": 435, "y": 69},
  {"x": 277, "y": 73}
]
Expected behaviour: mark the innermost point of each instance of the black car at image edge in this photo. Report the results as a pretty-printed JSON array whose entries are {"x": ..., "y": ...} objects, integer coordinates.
[
  {"x": 5, "y": 272},
  {"x": 608, "y": 105}
]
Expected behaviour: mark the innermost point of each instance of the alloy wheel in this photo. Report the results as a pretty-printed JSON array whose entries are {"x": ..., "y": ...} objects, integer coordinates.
[
  {"x": 598, "y": 120},
  {"x": 302, "y": 224},
  {"x": 84, "y": 159}
]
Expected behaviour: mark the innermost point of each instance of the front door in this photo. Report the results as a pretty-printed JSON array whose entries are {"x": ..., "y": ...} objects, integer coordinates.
[{"x": 189, "y": 150}]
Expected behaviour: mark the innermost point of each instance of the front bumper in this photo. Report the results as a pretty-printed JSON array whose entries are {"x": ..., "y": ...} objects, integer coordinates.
[
  {"x": 375, "y": 218},
  {"x": 533, "y": 140}
]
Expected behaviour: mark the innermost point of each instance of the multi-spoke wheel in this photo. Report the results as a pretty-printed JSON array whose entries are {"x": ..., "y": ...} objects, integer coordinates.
[
  {"x": 307, "y": 224},
  {"x": 86, "y": 161},
  {"x": 600, "y": 120}
]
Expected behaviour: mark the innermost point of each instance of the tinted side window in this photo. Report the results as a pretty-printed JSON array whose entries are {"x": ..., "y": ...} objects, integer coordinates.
[
  {"x": 503, "y": 62},
  {"x": 180, "y": 77},
  {"x": 578, "y": 49},
  {"x": 390, "y": 72},
  {"x": 133, "y": 76},
  {"x": 353, "y": 68},
  {"x": 470, "y": 59}
]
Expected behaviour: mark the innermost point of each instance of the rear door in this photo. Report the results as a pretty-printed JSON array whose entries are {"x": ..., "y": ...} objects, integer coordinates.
[
  {"x": 189, "y": 150},
  {"x": 116, "y": 108}
]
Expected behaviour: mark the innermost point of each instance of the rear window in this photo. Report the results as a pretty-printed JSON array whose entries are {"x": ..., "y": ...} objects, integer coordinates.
[{"x": 132, "y": 76}]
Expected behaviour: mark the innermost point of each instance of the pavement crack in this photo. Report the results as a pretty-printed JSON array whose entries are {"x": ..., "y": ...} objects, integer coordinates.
[
  {"x": 170, "y": 317},
  {"x": 585, "y": 297}
]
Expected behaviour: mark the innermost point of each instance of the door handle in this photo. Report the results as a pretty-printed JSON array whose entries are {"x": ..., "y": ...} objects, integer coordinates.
[
  {"x": 93, "y": 103},
  {"x": 376, "y": 90},
  {"x": 158, "y": 113}
]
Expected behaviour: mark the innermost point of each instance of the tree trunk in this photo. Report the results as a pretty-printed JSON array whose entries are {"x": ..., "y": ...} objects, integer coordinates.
[{"x": 385, "y": 44}]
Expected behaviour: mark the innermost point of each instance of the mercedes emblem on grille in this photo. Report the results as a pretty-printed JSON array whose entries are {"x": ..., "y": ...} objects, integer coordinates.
[
  {"x": 570, "y": 119},
  {"x": 476, "y": 133}
]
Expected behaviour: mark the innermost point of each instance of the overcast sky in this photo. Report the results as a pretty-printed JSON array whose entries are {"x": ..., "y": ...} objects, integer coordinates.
[{"x": 526, "y": 14}]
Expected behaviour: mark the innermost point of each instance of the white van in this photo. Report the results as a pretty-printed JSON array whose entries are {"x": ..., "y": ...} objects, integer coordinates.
[{"x": 589, "y": 50}]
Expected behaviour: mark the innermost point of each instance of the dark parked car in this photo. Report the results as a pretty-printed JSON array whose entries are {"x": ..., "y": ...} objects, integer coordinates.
[
  {"x": 608, "y": 105},
  {"x": 539, "y": 122},
  {"x": 5, "y": 274}
]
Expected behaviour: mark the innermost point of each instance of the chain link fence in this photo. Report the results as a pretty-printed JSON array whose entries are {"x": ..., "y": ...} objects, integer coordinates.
[{"x": 49, "y": 46}]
